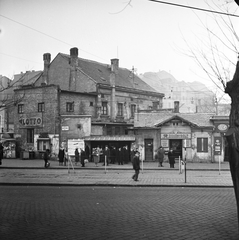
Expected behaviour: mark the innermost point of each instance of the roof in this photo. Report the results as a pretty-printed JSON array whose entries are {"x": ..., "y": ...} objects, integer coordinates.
[
  {"x": 27, "y": 78},
  {"x": 100, "y": 73},
  {"x": 157, "y": 119}
]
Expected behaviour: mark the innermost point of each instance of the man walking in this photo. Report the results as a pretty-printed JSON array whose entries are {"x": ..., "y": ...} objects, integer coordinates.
[{"x": 136, "y": 166}]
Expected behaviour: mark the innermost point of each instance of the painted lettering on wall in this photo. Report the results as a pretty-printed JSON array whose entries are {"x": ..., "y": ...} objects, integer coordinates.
[{"x": 34, "y": 121}]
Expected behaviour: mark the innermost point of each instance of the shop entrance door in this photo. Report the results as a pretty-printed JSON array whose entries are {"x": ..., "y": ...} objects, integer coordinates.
[
  {"x": 148, "y": 143},
  {"x": 176, "y": 145}
]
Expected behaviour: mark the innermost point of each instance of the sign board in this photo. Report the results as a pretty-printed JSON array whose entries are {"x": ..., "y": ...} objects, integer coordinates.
[
  {"x": 221, "y": 127},
  {"x": 72, "y": 144},
  {"x": 217, "y": 145},
  {"x": 64, "y": 128}
]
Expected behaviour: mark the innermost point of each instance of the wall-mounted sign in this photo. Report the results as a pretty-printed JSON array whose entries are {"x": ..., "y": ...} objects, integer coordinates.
[
  {"x": 33, "y": 121},
  {"x": 217, "y": 145},
  {"x": 176, "y": 136},
  {"x": 64, "y": 128},
  {"x": 222, "y": 127}
]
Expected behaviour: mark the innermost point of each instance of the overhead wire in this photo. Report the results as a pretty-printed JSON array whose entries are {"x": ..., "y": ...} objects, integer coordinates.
[
  {"x": 194, "y": 8},
  {"x": 45, "y": 34}
]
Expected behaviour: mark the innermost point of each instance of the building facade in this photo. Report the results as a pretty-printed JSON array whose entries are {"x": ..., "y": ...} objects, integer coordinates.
[
  {"x": 75, "y": 98},
  {"x": 194, "y": 137}
]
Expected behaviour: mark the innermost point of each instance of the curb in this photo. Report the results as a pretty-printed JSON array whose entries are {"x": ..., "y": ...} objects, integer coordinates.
[{"x": 111, "y": 185}]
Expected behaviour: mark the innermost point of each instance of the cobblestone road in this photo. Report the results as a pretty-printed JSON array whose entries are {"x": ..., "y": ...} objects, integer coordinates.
[{"x": 35, "y": 212}]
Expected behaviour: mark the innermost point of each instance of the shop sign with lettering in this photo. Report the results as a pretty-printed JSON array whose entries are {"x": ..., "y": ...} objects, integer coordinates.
[
  {"x": 176, "y": 136},
  {"x": 33, "y": 121},
  {"x": 217, "y": 145}
]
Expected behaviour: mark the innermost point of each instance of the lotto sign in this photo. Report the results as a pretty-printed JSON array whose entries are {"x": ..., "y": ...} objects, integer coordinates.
[{"x": 217, "y": 146}]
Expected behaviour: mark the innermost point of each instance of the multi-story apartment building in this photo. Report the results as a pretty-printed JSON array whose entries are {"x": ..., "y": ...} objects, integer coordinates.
[{"x": 75, "y": 98}]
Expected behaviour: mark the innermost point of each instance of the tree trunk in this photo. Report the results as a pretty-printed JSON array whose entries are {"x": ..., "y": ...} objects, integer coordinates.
[{"x": 232, "y": 134}]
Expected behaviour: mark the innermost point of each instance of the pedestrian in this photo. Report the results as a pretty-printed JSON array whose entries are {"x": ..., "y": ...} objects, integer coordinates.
[
  {"x": 77, "y": 156},
  {"x": 46, "y": 158},
  {"x": 106, "y": 155},
  {"x": 96, "y": 155},
  {"x": 83, "y": 157},
  {"x": 136, "y": 166},
  {"x": 160, "y": 155},
  {"x": 1, "y": 153},
  {"x": 61, "y": 156},
  {"x": 171, "y": 158},
  {"x": 113, "y": 155}
]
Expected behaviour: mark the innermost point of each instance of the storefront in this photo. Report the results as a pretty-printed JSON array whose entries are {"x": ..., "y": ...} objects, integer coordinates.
[{"x": 113, "y": 142}]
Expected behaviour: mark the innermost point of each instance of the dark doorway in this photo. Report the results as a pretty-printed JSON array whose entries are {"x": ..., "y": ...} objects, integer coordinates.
[
  {"x": 176, "y": 145},
  {"x": 148, "y": 143}
]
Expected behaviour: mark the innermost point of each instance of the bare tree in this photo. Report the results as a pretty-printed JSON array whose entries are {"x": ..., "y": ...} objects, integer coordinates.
[{"x": 215, "y": 56}]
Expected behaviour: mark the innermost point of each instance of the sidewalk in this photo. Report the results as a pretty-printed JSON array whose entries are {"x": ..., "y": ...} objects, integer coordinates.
[
  {"x": 32, "y": 172},
  {"x": 39, "y": 163}
]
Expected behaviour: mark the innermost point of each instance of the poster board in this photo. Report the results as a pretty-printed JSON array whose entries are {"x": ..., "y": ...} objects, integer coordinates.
[{"x": 72, "y": 144}]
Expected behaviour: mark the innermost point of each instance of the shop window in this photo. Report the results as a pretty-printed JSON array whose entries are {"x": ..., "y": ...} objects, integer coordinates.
[
  {"x": 202, "y": 144},
  {"x": 120, "y": 109},
  {"x": 133, "y": 110},
  {"x": 30, "y": 135},
  {"x": 70, "y": 106},
  {"x": 43, "y": 145},
  {"x": 41, "y": 107},
  {"x": 20, "y": 108},
  {"x": 104, "y": 108}
]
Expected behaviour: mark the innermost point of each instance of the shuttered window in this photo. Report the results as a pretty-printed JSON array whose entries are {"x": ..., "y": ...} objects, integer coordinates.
[{"x": 202, "y": 144}]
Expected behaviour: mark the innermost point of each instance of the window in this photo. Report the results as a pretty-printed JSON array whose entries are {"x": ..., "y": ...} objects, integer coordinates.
[
  {"x": 155, "y": 105},
  {"x": 20, "y": 108},
  {"x": 41, "y": 107},
  {"x": 70, "y": 106},
  {"x": 91, "y": 104},
  {"x": 104, "y": 108},
  {"x": 30, "y": 135},
  {"x": 120, "y": 109},
  {"x": 202, "y": 144},
  {"x": 133, "y": 110}
]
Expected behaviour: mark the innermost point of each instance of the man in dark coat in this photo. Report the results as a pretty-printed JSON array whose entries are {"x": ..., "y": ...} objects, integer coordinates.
[
  {"x": 160, "y": 154},
  {"x": 82, "y": 157},
  {"x": 106, "y": 155},
  {"x": 171, "y": 158},
  {"x": 46, "y": 158},
  {"x": 1, "y": 153},
  {"x": 136, "y": 166}
]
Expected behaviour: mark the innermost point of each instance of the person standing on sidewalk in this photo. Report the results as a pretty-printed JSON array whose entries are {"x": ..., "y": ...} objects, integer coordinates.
[
  {"x": 160, "y": 154},
  {"x": 171, "y": 158},
  {"x": 106, "y": 155},
  {"x": 77, "y": 156},
  {"x": 136, "y": 166},
  {"x": 1, "y": 153},
  {"x": 82, "y": 157},
  {"x": 61, "y": 156}
]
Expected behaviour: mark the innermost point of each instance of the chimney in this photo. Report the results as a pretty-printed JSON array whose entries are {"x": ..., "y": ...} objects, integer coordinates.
[
  {"x": 114, "y": 65},
  {"x": 113, "y": 77},
  {"x": 47, "y": 61},
  {"x": 74, "y": 57},
  {"x": 176, "y": 106},
  {"x": 74, "y": 65}
]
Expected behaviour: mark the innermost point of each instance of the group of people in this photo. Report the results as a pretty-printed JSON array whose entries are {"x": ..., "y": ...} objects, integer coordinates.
[
  {"x": 112, "y": 155},
  {"x": 160, "y": 154},
  {"x": 80, "y": 156}
]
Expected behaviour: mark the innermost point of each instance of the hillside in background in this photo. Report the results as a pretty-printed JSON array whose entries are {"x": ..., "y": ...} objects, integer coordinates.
[
  {"x": 192, "y": 96},
  {"x": 162, "y": 81}
]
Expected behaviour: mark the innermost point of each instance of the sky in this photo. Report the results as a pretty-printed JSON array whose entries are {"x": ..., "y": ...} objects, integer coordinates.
[{"x": 146, "y": 35}]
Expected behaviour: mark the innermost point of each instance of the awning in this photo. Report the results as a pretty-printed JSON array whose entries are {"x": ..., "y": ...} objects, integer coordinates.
[{"x": 110, "y": 138}]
